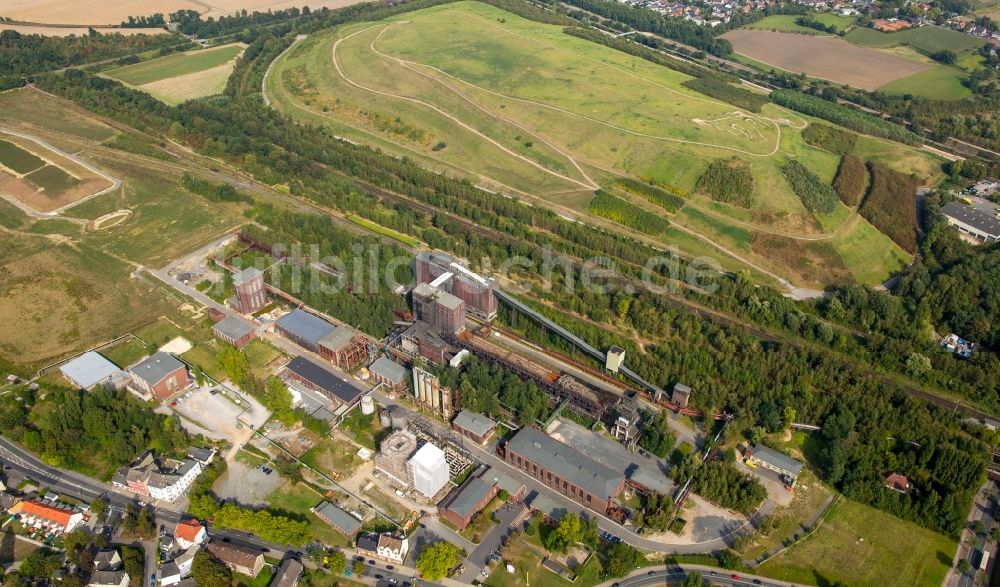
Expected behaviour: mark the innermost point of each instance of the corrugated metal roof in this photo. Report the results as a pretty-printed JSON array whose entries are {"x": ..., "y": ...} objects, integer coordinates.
[
  {"x": 337, "y": 338},
  {"x": 567, "y": 462},
  {"x": 305, "y": 326},
  {"x": 979, "y": 220},
  {"x": 326, "y": 380},
  {"x": 776, "y": 459},
  {"x": 338, "y": 518},
  {"x": 89, "y": 369}
]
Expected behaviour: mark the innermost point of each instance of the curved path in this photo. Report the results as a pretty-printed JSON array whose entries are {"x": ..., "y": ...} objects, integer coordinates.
[{"x": 336, "y": 63}]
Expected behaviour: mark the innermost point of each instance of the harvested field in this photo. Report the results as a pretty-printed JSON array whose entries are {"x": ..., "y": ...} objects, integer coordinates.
[
  {"x": 65, "y": 31},
  {"x": 182, "y": 76},
  {"x": 822, "y": 57},
  {"x": 188, "y": 87},
  {"x": 811, "y": 261},
  {"x": 102, "y": 12}
]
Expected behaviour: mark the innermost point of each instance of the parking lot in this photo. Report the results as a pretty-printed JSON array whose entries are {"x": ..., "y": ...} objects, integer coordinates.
[{"x": 215, "y": 415}]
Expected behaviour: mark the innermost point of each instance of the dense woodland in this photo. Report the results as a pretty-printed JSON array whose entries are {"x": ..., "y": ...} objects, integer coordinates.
[
  {"x": 721, "y": 89},
  {"x": 851, "y": 180},
  {"x": 830, "y": 138},
  {"x": 626, "y": 213},
  {"x": 815, "y": 194},
  {"x": 728, "y": 180},
  {"x": 669, "y": 201},
  {"x": 843, "y": 115},
  {"x": 493, "y": 390},
  {"x": 891, "y": 205},
  {"x": 22, "y": 55},
  {"x": 93, "y": 432}
]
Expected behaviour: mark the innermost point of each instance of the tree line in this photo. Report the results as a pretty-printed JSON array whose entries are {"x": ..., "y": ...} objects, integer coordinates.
[
  {"x": 816, "y": 195},
  {"x": 610, "y": 206}
]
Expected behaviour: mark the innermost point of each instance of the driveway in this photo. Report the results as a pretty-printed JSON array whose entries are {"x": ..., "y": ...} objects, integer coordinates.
[{"x": 479, "y": 557}]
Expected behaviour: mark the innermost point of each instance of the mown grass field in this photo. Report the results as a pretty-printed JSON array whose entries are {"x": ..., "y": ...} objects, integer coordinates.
[
  {"x": 928, "y": 39},
  {"x": 522, "y": 108},
  {"x": 941, "y": 82},
  {"x": 174, "y": 65},
  {"x": 183, "y": 76},
  {"x": 786, "y": 23},
  {"x": 860, "y": 545}
]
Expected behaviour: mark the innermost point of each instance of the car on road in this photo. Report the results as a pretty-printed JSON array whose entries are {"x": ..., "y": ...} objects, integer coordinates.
[{"x": 379, "y": 577}]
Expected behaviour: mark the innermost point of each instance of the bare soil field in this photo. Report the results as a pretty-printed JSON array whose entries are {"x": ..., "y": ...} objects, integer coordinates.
[
  {"x": 105, "y": 13},
  {"x": 48, "y": 196},
  {"x": 828, "y": 58}
]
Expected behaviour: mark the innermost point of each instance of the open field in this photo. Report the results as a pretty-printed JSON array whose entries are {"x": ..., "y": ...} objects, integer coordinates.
[
  {"x": 940, "y": 82},
  {"x": 861, "y": 545},
  {"x": 786, "y": 23},
  {"x": 823, "y": 57},
  {"x": 928, "y": 39},
  {"x": 524, "y": 109},
  {"x": 182, "y": 76},
  {"x": 42, "y": 179},
  {"x": 71, "y": 288},
  {"x": 102, "y": 12}
]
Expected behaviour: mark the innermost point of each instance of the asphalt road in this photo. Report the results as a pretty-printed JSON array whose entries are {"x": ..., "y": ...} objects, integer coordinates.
[{"x": 676, "y": 574}]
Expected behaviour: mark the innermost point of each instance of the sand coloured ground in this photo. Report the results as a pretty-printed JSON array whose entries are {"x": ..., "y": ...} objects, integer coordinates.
[{"x": 828, "y": 58}]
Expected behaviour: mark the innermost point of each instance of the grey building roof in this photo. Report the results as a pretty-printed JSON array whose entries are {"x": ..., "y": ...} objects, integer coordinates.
[
  {"x": 326, "y": 380},
  {"x": 233, "y": 328},
  {"x": 338, "y": 518},
  {"x": 155, "y": 367},
  {"x": 566, "y": 462},
  {"x": 652, "y": 480},
  {"x": 337, "y": 338},
  {"x": 681, "y": 388},
  {"x": 89, "y": 369},
  {"x": 469, "y": 496},
  {"x": 504, "y": 481},
  {"x": 305, "y": 326},
  {"x": 104, "y": 578},
  {"x": 777, "y": 459},
  {"x": 201, "y": 454},
  {"x": 288, "y": 574},
  {"x": 368, "y": 542},
  {"x": 389, "y": 369},
  {"x": 449, "y": 301},
  {"x": 246, "y": 275},
  {"x": 979, "y": 220},
  {"x": 474, "y": 422},
  {"x": 539, "y": 502},
  {"x": 169, "y": 569}
]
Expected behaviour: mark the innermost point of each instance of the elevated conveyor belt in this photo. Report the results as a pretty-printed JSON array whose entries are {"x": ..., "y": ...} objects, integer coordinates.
[{"x": 506, "y": 298}]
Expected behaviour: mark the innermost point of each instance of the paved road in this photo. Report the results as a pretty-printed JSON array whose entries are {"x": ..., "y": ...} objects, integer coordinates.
[
  {"x": 984, "y": 510},
  {"x": 675, "y": 573}
]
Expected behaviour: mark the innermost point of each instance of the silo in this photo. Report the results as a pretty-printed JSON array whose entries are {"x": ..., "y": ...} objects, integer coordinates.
[
  {"x": 385, "y": 418},
  {"x": 367, "y": 405}
]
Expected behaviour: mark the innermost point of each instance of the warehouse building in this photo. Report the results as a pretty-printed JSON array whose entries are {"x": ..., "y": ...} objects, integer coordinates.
[
  {"x": 782, "y": 464},
  {"x": 306, "y": 379},
  {"x": 564, "y": 469},
  {"x": 91, "y": 369},
  {"x": 968, "y": 220},
  {"x": 338, "y": 518},
  {"x": 474, "y": 426},
  {"x": 234, "y": 331},
  {"x": 389, "y": 373}
]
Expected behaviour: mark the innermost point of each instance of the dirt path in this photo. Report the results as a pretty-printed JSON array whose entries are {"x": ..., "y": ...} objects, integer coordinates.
[{"x": 455, "y": 119}]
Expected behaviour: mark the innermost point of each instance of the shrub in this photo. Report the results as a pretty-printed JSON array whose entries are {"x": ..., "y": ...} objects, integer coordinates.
[
  {"x": 891, "y": 205},
  {"x": 729, "y": 181},
  {"x": 833, "y": 139},
  {"x": 721, "y": 90},
  {"x": 843, "y": 115},
  {"x": 626, "y": 213},
  {"x": 816, "y": 196},
  {"x": 662, "y": 198},
  {"x": 851, "y": 180}
]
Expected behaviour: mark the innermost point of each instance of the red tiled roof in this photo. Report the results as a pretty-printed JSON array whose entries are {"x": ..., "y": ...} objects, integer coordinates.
[
  {"x": 188, "y": 530},
  {"x": 55, "y": 515},
  {"x": 897, "y": 482}
]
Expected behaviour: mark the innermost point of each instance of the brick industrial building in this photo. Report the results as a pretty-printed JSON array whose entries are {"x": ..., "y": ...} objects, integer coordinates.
[
  {"x": 564, "y": 469},
  {"x": 160, "y": 375},
  {"x": 251, "y": 294},
  {"x": 342, "y": 346},
  {"x": 448, "y": 274},
  {"x": 234, "y": 331}
]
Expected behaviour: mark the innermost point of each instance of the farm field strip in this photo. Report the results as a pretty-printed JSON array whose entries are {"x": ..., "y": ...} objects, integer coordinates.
[
  {"x": 61, "y": 182},
  {"x": 182, "y": 76},
  {"x": 823, "y": 57}
]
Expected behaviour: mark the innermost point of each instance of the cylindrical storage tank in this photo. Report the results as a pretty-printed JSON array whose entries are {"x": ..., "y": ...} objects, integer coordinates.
[
  {"x": 367, "y": 405},
  {"x": 384, "y": 418},
  {"x": 397, "y": 417}
]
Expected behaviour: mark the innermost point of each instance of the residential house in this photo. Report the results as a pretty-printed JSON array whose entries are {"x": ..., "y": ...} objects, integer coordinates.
[
  {"x": 288, "y": 574},
  {"x": 46, "y": 515},
  {"x": 118, "y": 578},
  {"x": 158, "y": 478},
  {"x": 384, "y": 547},
  {"x": 240, "y": 559},
  {"x": 188, "y": 533},
  {"x": 897, "y": 482},
  {"x": 108, "y": 559}
]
